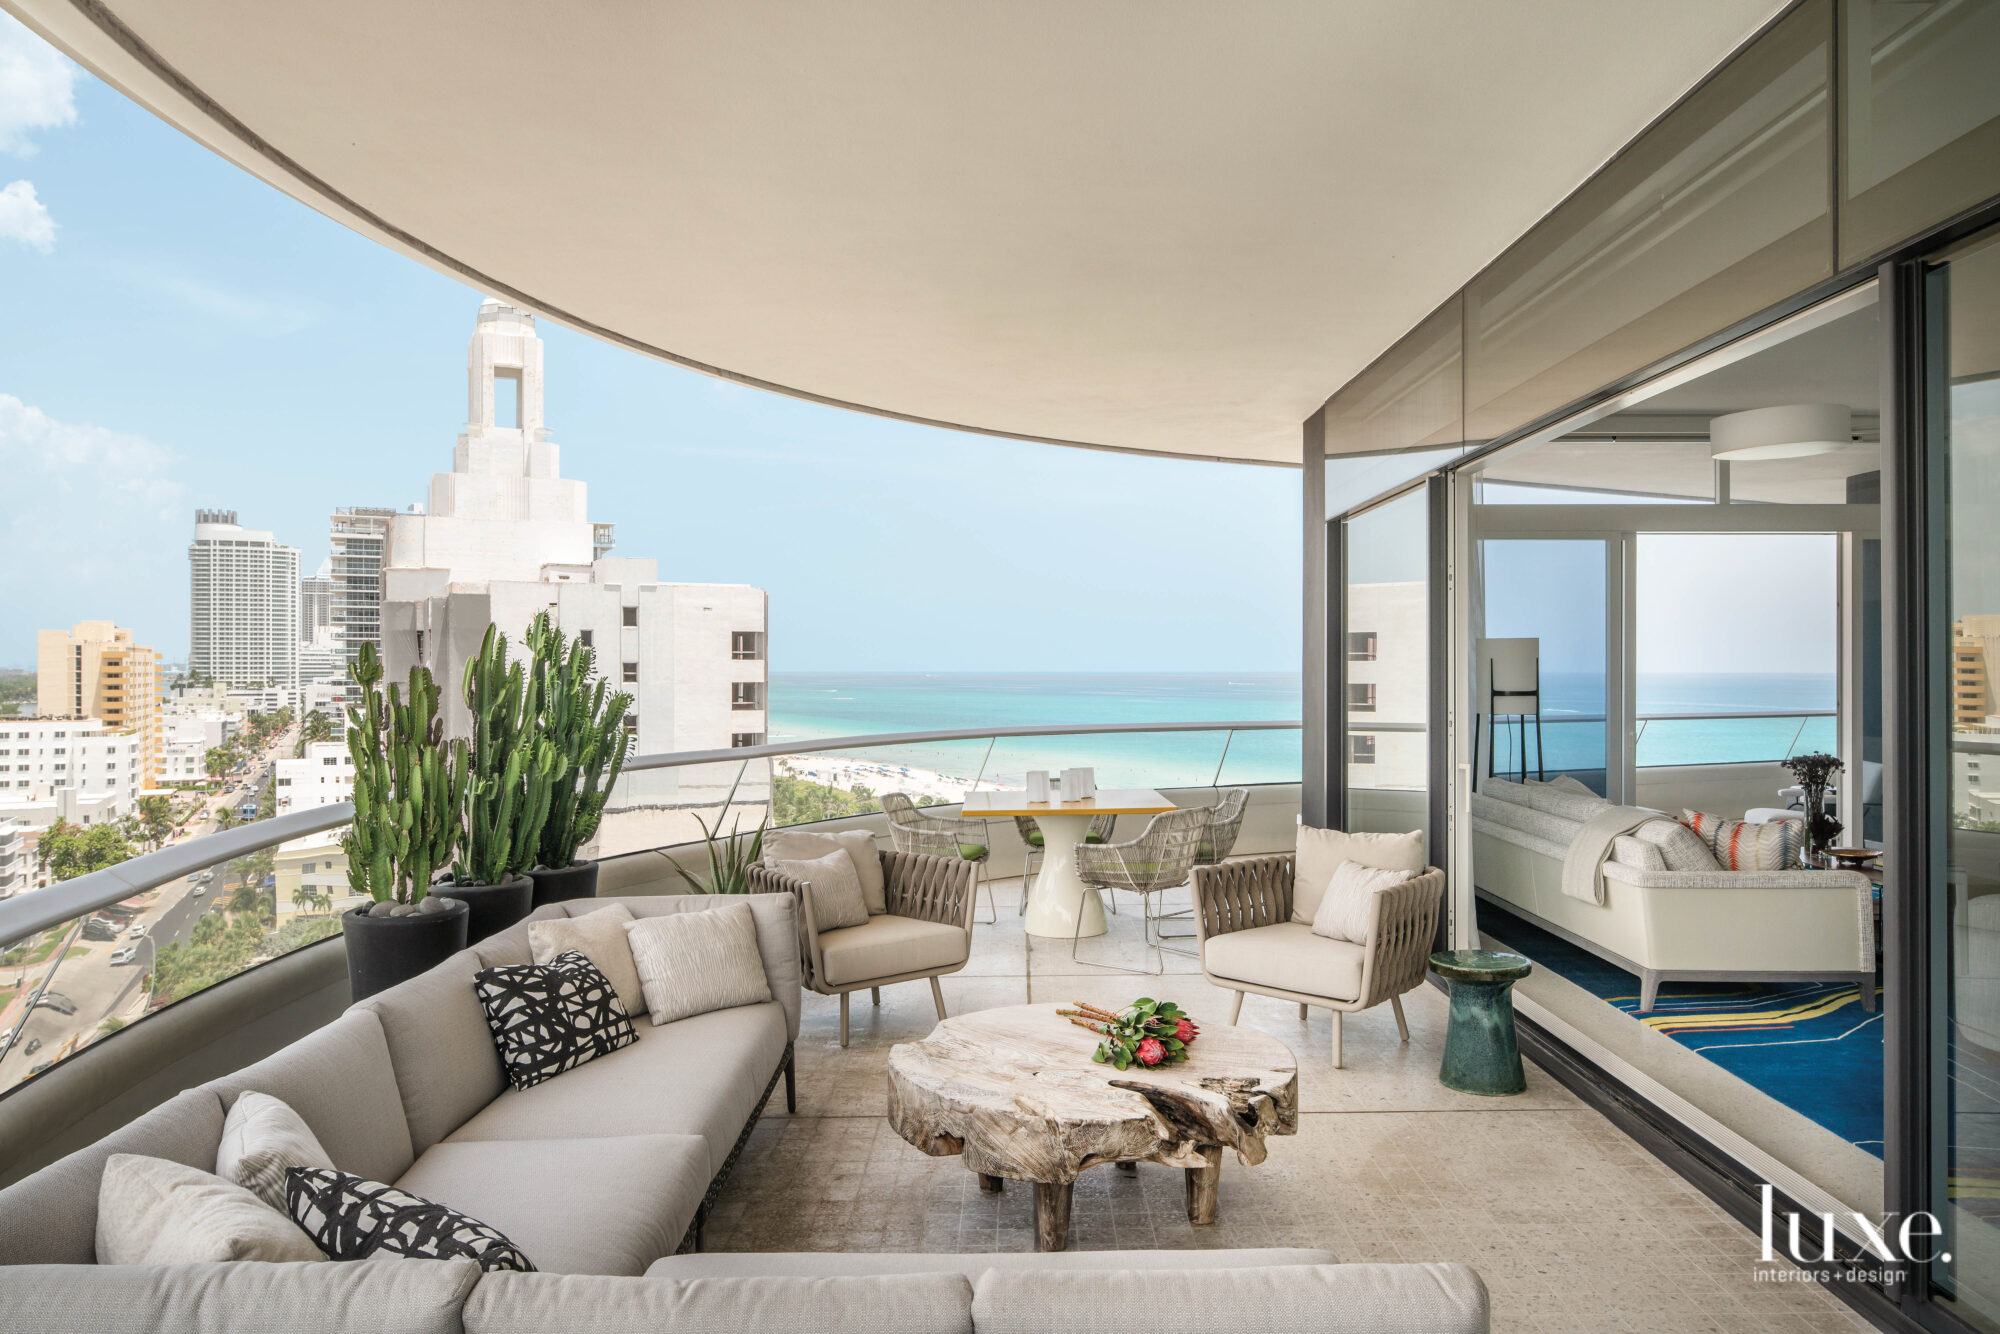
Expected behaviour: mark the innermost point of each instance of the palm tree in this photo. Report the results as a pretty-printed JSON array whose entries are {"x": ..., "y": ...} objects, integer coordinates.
[{"x": 302, "y": 898}]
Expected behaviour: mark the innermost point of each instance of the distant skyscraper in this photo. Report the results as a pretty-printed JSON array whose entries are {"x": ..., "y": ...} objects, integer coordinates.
[
  {"x": 360, "y": 537},
  {"x": 316, "y": 602},
  {"x": 243, "y": 604}
]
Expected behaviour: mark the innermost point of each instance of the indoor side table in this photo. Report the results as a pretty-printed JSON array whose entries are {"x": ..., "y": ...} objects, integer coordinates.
[{"x": 1481, "y": 1054}]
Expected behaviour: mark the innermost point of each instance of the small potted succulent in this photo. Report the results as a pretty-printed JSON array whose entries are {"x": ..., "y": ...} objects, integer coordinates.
[
  {"x": 510, "y": 782},
  {"x": 585, "y": 722},
  {"x": 409, "y": 798}
]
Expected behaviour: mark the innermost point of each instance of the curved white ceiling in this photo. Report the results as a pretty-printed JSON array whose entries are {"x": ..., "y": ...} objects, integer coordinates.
[{"x": 1172, "y": 227}]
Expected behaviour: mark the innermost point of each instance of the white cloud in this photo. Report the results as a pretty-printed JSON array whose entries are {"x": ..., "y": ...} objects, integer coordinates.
[
  {"x": 24, "y": 218},
  {"x": 94, "y": 522},
  {"x": 37, "y": 88}
]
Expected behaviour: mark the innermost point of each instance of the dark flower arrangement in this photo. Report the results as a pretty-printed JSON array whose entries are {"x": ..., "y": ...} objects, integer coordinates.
[
  {"x": 1147, "y": 1032},
  {"x": 1814, "y": 773}
]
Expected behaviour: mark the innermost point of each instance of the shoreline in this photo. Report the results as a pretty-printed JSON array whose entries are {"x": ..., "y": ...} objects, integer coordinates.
[{"x": 836, "y": 771}]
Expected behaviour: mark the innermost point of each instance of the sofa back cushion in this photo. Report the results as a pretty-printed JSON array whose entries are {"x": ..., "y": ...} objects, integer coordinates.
[
  {"x": 1321, "y": 851},
  {"x": 776, "y": 918},
  {"x": 792, "y": 845},
  {"x": 608, "y": 1304},
  {"x": 51, "y": 1217},
  {"x": 1680, "y": 847},
  {"x": 441, "y": 1050},
  {"x": 399, "y": 1297},
  {"x": 342, "y": 1082},
  {"x": 1303, "y": 1299},
  {"x": 1637, "y": 853}
]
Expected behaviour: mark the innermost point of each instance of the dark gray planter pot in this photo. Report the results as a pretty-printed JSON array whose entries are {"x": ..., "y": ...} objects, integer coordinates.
[
  {"x": 494, "y": 907},
  {"x": 578, "y": 880},
  {"x": 382, "y": 951}
]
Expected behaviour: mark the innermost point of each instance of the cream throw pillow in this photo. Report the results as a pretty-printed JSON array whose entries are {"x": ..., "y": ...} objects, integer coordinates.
[
  {"x": 694, "y": 962},
  {"x": 261, "y": 1137},
  {"x": 1350, "y": 900},
  {"x": 1321, "y": 851},
  {"x": 837, "y": 900},
  {"x": 154, "y": 1212},
  {"x": 599, "y": 937},
  {"x": 859, "y": 845}
]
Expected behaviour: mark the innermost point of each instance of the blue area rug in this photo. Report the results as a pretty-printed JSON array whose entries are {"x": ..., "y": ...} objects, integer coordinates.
[{"x": 1809, "y": 1045}]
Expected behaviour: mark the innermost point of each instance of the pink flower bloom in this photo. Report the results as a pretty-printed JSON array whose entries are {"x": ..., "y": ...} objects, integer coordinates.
[
  {"x": 1151, "y": 1052},
  {"x": 1185, "y": 1030}
]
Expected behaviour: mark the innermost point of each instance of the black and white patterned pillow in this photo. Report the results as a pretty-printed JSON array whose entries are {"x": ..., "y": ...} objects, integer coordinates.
[
  {"x": 551, "y": 1017},
  {"x": 352, "y": 1218}
]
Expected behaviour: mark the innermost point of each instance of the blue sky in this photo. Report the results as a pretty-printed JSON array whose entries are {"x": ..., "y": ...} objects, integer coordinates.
[{"x": 177, "y": 335}]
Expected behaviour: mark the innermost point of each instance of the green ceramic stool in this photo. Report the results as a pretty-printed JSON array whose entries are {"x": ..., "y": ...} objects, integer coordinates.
[{"x": 1480, "y": 1053}]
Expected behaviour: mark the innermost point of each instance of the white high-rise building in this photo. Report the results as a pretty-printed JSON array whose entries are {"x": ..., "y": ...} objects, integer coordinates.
[
  {"x": 358, "y": 537},
  {"x": 506, "y": 536},
  {"x": 316, "y": 602},
  {"x": 243, "y": 605}
]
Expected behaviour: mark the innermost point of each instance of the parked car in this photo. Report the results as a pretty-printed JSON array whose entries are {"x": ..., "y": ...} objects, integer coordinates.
[
  {"x": 43, "y": 1066},
  {"x": 137, "y": 932},
  {"x": 96, "y": 929},
  {"x": 55, "y": 1000},
  {"x": 123, "y": 954},
  {"x": 31, "y": 1046}
]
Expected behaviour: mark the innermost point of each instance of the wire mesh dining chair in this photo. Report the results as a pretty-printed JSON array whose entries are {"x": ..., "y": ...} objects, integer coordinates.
[
  {"x": 913, "y": 829},
  {"x": 1225, "y": 822},
  {"x": 1160, "y": 859},
  {"x": 1101, "y": 828}
]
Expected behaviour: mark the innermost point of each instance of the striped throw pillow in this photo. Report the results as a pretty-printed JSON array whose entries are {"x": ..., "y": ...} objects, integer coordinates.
[{"x": 1741, "y": 846}]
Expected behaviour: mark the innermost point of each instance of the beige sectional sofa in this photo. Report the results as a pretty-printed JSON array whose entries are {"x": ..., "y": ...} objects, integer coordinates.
[
  {"x": 1663, "y": 924},
  {"x": 602, "y": 1176}
]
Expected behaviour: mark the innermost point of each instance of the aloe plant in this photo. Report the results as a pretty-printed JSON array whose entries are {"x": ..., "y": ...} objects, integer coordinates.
[
  {"x": 585, "y": 722},
  {"x": 729, "y": 859},
  {"x": 511, "y": 767},
  {"x": 409, "y": 786}
]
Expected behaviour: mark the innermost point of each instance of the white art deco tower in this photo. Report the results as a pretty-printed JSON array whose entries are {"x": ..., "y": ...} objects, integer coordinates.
[{"x": 243, "y": 604}]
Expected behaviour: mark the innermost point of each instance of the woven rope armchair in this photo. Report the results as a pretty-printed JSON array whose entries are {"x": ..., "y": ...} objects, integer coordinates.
[
  {"x": 1158, "y": 860},
  {"x": 1243, "y": 915},
  {"x": 927, "y": 931},
  {"x": 1101, "y": 829},
  {"x": 913, "y": 829},
  {"x": 1225, "y": 822}
]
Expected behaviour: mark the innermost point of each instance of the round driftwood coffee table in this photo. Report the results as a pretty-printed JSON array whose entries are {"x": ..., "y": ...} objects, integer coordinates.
[{"x": 1015, "y": 1092}]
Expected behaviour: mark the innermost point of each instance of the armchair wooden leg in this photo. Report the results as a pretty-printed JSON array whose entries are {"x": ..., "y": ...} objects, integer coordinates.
[
  {"x": 1402, "y": 1024},
  {"x": 875, "y": 995},
  {"x": 937, "y": 995},
  {"x": 1236, "y": 1009},
  {"x": 1649, "y": 990},
  {"x": 1302, "y": 1010},
  {"x": 843, "y": 1019},
  {"x": 1336, "y": 1039}
]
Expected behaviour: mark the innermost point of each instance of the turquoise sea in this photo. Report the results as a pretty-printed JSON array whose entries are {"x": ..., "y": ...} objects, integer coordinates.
[{"x": 806, "y": 705}]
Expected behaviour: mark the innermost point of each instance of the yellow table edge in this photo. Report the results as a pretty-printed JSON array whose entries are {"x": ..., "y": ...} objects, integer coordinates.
[{"x": 1109, "y": 801}]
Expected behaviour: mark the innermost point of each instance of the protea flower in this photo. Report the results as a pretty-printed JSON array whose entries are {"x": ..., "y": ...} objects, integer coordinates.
[
  {"x": 1185, "y": 1030},
  {"x": 1151, "y": 1052}
]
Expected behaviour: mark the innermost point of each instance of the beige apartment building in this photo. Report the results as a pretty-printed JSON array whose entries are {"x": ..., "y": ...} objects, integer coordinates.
[{"x": 94, "y": 670}]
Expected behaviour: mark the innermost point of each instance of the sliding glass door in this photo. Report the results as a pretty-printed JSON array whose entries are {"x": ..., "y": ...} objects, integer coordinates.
[
  {"x": 1385, "y": 683},
  {"x": 1550, "y": 612}
]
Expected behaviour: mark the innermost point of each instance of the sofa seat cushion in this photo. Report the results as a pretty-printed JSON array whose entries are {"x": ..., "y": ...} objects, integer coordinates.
[
  {"x": 833, "y": 1264},
  {"x": 1287, "y": 956},
  {"x": 593, "y": 1304},
  {"x": 1304, "y": 1299},
  {"x": 699, "y": 1076},
  {"x": 573, "y": 1206},
  {"x": 888, "y": 946},
  {"x": 234, "y": 1297}
]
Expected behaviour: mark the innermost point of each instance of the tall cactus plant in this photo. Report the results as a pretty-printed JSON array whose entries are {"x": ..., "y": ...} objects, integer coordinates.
[
  {"x": 409, "y": 786},
  {"x": 512, "y": 767},
  {"x": 586, "y": 724}
]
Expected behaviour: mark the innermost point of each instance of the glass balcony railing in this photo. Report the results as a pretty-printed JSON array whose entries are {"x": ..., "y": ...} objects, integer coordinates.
[{"x": 91, "y": 956}]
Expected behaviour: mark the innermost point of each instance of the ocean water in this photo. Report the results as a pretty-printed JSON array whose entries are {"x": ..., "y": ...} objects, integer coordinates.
[{"x": 805, "y": 705}]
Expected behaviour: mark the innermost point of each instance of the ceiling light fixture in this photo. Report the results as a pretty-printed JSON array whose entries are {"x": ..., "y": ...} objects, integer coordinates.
[{"x": 1789, "y": 432}]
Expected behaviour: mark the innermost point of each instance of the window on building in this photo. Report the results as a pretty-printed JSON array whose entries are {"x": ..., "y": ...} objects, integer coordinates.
[
  {"x": 1361, "y": 748},
  {"x": 583, "y": 637},
  {"x": 631, "y": 671},
  {"x": 1361, "y": 646},
  {"x": 746, "y": 695},
  {"x": 1361, "y": 697},
  {"x": 739, "y": 740},
  {"x": 631, "y": 615},
  {"x": 631, "y": 724},
  {"x": 507, "y": 399},
  {"x": 746, "y": 645}
]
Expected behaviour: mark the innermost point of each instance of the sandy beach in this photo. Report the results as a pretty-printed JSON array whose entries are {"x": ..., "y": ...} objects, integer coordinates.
[{"x": 835, "y": 771}]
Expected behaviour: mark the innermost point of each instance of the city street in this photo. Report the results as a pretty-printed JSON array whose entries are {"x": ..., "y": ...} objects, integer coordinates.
[{"x": 103, "y": 990}]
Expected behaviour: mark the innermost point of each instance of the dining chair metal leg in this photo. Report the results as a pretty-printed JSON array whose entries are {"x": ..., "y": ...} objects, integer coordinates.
[{"x": 1077, "y": 935}]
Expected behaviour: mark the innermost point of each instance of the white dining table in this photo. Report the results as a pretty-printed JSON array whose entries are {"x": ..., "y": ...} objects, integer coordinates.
[{"x": 1059, "y": 898}]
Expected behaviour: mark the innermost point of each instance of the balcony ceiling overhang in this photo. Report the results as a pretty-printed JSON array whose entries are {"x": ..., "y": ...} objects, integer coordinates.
[{"x": 1172, "y": 228}]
